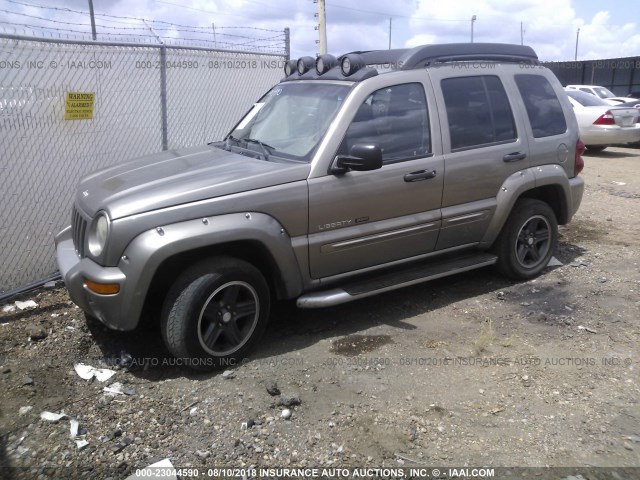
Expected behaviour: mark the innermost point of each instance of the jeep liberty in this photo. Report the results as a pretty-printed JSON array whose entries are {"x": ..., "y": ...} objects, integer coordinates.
[{"x": 353, "y": 176}]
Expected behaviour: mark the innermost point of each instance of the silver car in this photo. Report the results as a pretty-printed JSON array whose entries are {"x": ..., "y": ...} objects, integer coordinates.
[{"x": 602, "y": 124}]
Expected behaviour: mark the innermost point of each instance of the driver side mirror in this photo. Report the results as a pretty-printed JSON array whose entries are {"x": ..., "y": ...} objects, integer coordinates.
[{"x": 361, "y": 158}]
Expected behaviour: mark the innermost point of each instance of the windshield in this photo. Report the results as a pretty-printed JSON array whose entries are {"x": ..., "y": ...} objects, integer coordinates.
[
  {"x": 586, "y": 99},
  {"x": 603, "y": 92},
  {"x": 289, "y": 121}
]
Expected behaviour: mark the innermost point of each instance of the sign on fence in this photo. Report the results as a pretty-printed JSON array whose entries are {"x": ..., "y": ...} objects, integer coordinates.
[{"x": 79, "y": 106}]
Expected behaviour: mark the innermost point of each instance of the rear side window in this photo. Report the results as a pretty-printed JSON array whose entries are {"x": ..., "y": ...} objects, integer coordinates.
[
  {"x": 543, "y": 107},
  {"x": 478, "y": 112}
]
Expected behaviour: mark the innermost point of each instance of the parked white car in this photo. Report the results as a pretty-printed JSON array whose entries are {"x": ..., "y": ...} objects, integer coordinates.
[
  {"x": 601, "y": 92},
  {"x": 601, "y": 124}
]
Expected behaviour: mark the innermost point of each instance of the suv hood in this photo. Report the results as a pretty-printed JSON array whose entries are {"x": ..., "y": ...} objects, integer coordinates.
[{"x": 175, "y": 177}]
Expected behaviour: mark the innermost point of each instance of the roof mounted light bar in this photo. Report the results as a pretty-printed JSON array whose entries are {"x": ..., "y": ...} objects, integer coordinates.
[
  {"x": 356, "y": 66},
  {"x": 350, "y": 67}
]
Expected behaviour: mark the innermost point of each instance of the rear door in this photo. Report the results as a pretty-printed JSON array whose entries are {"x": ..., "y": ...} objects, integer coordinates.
[{"x": 484, "y": 142}]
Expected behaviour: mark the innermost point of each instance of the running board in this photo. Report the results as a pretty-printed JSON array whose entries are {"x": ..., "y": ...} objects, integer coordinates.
[{"x": 397, "y": 278}]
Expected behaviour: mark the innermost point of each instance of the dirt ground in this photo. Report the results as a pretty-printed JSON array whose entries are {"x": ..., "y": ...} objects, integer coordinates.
[{"x": 472, "y": 370}]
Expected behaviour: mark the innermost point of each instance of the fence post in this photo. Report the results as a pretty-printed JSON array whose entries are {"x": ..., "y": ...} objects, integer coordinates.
[
  {"x": 287, "y": 44},
  {"x": 163, "y": 96}
]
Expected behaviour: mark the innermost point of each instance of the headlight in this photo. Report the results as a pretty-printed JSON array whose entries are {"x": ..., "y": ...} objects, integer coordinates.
[{"x": 98, "y": 234}]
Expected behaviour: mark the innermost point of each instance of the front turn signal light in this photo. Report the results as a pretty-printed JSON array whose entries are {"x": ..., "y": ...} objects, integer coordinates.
[{"x": 102, "y": 288}]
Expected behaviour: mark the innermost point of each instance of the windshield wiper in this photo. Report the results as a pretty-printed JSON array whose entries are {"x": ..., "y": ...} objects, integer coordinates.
[{"x": 265, "y": 148}]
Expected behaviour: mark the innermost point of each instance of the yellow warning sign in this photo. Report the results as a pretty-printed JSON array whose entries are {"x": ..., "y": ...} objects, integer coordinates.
[{"x": 79, "y": 106}]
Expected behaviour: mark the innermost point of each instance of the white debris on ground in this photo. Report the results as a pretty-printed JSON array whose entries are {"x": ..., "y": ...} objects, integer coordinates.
[{"x": 87, "y": 372}]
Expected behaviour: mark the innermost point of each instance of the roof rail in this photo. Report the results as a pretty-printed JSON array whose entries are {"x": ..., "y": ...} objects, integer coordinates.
[{"x": 426, "y": 55}]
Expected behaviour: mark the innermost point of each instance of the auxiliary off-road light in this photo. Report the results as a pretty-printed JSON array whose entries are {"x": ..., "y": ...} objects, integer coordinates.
[
  {"x": 324, "y": 63},
  {"x": 305, "y": 64},
  {"x": 351, "y": 63},
  {"x": 290, "y": 67}
]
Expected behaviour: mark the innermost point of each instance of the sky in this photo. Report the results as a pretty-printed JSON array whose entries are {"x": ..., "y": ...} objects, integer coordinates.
[{"x": 607, "y": 29}]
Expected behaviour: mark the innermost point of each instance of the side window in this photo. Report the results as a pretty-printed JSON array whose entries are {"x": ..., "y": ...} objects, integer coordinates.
[
  {"x": 543, "y": 107},
  {"x": 394, "y": 118},
  {"x": 478, "y": 111}
]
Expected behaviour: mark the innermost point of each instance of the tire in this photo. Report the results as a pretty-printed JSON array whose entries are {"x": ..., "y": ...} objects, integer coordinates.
[
  {"x": 595, "y": 148},
  {"x": 527, "y": 240},
  {"x": 214, "y": 313}
]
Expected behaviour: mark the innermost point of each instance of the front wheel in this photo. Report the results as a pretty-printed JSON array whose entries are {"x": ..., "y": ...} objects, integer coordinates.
[
  {"x": 528, "y": 239},
  {"x": 215, "y": 312}
]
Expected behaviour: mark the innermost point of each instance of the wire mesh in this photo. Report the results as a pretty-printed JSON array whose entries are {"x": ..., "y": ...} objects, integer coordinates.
[
  {"x": 43, "y": 156},
  {"x": 210, "y": 90}
]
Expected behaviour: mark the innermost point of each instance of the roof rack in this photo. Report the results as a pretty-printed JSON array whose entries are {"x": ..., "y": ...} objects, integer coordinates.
[{"x": 427, "y": 55}]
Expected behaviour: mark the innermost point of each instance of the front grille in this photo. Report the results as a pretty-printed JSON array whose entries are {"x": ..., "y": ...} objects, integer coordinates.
[{"x": 78, "y": 229}]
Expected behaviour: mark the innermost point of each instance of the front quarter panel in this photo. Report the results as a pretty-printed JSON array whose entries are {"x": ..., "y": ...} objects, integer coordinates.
[
  {"x": 140, "y": 261},
  {"x": 148, "y": 251}
]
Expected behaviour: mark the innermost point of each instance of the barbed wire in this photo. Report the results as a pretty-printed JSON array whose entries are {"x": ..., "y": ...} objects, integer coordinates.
[{"x": 144, "y": 29}]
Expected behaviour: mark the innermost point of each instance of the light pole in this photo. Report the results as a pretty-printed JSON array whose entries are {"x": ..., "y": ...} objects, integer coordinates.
[
  {"x": 577, "y": 36},
  {"x": 473, "y": 19}
]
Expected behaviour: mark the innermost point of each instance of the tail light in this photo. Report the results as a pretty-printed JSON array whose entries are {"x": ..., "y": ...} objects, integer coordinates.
[
  {"x": 579, "y": 163},
  {"x": 605, "y": 119}
]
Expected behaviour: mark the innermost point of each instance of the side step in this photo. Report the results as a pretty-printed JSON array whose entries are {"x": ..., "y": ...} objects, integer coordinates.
[{"x": 394, "y": 279}]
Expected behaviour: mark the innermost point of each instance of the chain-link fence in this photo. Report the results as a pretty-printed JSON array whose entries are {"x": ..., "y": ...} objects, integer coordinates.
[{"x": 146, "y": 98}]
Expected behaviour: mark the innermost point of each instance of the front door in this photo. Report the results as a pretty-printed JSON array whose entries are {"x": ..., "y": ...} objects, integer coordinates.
[{"x": 364, "y": 219}]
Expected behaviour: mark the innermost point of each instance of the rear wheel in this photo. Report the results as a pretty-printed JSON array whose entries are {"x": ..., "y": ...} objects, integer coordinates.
[
  {"x": 215, "y": 312},
  {"x": 528, "y": 239}
]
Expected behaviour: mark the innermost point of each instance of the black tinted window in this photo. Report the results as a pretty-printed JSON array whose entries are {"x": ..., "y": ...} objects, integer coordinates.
[
  {"x": 478, "y": 111},
  {"x": 543, "y": 107},
  {"x": 395, "y": 119}
]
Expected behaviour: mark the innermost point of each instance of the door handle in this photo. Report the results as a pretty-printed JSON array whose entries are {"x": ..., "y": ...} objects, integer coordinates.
[
  {"x": 514, "y": 157},
  {"x": 419, "y": 176}
]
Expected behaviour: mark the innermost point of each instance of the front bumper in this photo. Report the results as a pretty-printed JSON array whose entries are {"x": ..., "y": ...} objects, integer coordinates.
[{"x": 112, "y": 310}]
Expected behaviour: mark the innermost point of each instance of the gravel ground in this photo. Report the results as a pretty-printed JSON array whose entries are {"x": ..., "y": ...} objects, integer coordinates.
[{"x": 469, "y": 370}]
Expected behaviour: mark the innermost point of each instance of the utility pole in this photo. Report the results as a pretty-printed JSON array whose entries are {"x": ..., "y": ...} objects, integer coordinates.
[
  {"x": 215, "y": 41},
  {"x": 93, "y": 20},
  {"x": 521, "y": 34},
  {"x": 322, "y": 27},
  {"x": 577, "y": 36},
  {"x": 390, "y": 18},
  {"x": 473, "y": 19},
  {"x": 287, "y": 43}
]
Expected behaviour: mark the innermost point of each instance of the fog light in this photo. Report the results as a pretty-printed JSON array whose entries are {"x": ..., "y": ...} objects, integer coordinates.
[{"x": 102, "y": 288}]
